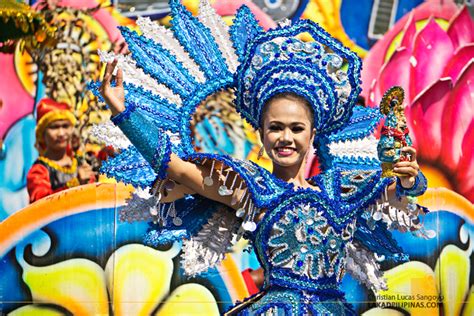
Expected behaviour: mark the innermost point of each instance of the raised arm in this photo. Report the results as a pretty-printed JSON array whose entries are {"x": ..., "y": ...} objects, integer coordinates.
[{"x": 155, "y": 145}]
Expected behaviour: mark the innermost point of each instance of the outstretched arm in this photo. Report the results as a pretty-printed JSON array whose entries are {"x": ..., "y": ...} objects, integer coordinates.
[{"x": 151, "y": 143}]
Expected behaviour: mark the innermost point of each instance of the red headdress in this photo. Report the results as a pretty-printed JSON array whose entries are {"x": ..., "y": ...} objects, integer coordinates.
[{"x": 49, "y": 111}]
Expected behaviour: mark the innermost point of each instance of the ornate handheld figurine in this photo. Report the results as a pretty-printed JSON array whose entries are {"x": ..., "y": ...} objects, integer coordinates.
[
  {"x": 394, "y": 131},
  {"x": 306, "y": 234}
]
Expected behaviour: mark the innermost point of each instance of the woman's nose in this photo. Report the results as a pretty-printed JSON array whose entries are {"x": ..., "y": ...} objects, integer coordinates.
[{"x": 287, "y": 135}]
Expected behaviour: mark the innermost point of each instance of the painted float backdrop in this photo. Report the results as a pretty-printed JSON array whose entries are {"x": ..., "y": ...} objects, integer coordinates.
[{"x": 68, "y": 254}]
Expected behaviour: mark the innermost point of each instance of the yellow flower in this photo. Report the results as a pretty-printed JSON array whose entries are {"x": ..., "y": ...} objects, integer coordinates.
[
  {"x": 416, "y": 288},
  {"x": 136, "y": 281}
]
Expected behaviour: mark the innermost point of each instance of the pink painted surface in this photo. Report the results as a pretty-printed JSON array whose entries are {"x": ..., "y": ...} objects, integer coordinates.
[
  {"x": 436, "y": 69},
  {"x": 375, "y": 58},
  {"x": 17, "y": 103}
]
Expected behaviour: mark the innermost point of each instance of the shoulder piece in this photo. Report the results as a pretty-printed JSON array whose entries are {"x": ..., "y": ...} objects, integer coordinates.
[
  {"x": 362, "y": 187},
  {"x": 353, "y": 188},
  {"x": 353, "y": 146}
]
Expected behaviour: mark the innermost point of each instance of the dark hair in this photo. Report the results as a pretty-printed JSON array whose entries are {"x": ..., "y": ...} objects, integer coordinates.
[{"x": 292, "y": 96}]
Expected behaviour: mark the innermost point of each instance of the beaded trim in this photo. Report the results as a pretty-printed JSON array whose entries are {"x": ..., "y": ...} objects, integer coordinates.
[
  {"x": 276, "y": 62},
  {"x": 315, "y": 249},
  {"x": 124, "y": 115},
  {"x": 162, "y": 157}
]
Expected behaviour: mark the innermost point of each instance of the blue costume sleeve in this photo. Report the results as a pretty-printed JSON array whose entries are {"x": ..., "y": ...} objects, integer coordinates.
[{"x": 152, "y": 143}]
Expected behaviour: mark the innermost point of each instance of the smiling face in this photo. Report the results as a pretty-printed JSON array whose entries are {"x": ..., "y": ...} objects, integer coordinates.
[
  {"x": 287, "y": 132},
  {"x": 58, "y": 135}
]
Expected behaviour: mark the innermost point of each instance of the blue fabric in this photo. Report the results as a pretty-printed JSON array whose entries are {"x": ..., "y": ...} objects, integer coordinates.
[
  {"x": 361, "y": 124},
  {"x": 419, "y": 187},
  {"x": 300, "y": 242},
  {"x": 288, "y": 302},
  {"x": 194, "y": 211},
  {"x": 152, "y": 143}
]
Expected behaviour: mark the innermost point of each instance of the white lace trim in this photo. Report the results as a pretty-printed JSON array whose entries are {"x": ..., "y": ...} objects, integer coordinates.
[
  {"x": 360, "y": 148},
  {"x": 209, "y": 247},
  {"x": 109, "y": 134},
  {"x": 363, "y": 266},
  {"x": 220, "y": 32}
]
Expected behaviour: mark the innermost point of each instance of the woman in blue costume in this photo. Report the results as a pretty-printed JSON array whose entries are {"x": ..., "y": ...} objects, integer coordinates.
[{"x": 306, "y": 232}]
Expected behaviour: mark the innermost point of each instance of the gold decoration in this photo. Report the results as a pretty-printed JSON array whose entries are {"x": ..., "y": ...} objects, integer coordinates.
[
  {"x": 68, "y": 170},
  {"x": 20, "y": 21},
  {"x": 394, "y": 94},
  {"x": 394, "y": 132},
  {"x": 74, "y": 182}
]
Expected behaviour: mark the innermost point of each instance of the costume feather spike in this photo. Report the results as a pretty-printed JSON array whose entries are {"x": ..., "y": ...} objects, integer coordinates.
[
  {"x": 135, "y": 75},
  {"x": 354, "y": 146},
  {"x": 161, "y": 35},
  {"x": 198, "y": 41},
  {"x": 130, "y": 167},
  {"x": 159, "y": 63},
  {"x": 220, "y": 31},
  {"x": 164, "y": 114},
  {"x": 244, "y": 29}
]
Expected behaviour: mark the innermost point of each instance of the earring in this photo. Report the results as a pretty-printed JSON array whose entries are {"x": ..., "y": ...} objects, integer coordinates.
[{"x": 260, "y": 153}]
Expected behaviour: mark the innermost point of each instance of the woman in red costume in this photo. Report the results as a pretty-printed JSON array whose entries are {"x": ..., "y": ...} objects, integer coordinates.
[{"x": 56, "y": 168}]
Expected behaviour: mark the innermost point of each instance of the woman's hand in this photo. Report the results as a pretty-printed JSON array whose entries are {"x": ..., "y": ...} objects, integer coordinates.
[
  {"x": 408, "y": 170},
  {"x": 113, "y": 96}
]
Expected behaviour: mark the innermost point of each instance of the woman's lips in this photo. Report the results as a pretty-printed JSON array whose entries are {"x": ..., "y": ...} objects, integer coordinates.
[{"x": 285, "y": 151}]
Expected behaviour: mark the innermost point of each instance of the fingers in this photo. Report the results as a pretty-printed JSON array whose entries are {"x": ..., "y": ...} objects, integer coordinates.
[
  {"x": 109, "y": 70},
  {"x": 409, "y": 168},
  {"x": 410, "y": 151},
  {"x": 119, "y": 77},
  {"x": 406, "y": 171},
  {"x": 401, "y": 164}
]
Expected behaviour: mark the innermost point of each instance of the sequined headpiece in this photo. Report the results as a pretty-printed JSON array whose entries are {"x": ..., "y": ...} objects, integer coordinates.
[
  {"x": 169, "y": 72},
  {"x": 323, "y": 71}
]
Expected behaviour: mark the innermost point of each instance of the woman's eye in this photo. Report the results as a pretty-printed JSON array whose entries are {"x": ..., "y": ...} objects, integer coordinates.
[
  {"x": 298, "y": 129},
  {"x": 274, "y": 128}
]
